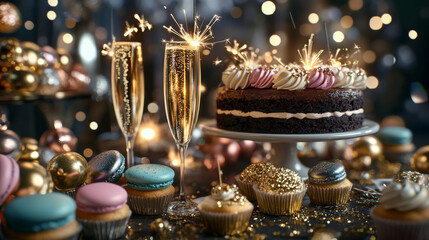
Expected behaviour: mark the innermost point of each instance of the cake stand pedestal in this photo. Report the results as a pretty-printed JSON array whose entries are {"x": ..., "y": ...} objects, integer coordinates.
[{"x": 283, "y": 146}]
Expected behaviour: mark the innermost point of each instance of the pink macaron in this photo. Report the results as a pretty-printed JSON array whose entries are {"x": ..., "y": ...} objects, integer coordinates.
[
  {"x": 102, "y": 210},
  {"x": 9, "y": 177},
  {"x": 101, "y": 197}
]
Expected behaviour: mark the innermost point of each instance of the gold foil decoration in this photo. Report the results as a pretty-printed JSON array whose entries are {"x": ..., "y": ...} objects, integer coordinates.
[
  {"x": 367, "y": 146},
  {"x": 30, "y": 150},
  {"x": 33, "y": 179},
  {"x": 420, "y": 160},
  {"x": 68, "y": 170}
]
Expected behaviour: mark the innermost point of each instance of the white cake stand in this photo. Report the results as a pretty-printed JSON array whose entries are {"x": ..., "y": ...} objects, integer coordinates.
[{"x": 283, "y": 146}]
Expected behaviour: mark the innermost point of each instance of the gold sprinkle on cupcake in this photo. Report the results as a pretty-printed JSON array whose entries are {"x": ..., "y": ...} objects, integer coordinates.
[
  {"x": 254, "y": 172},
  {"x": 281, "y": 180}
]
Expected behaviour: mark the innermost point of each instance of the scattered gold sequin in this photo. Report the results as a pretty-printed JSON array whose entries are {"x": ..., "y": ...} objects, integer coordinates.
[{"x": 412, "y": 176}]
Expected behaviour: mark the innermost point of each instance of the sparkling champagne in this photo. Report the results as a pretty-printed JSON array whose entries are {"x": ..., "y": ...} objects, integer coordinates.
[
  {"x": 182, "y": 90},
  {"x": 128, "y": 85}
]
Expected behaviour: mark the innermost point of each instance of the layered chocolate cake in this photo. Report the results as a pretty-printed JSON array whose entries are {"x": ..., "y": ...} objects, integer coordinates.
[
  {"x": 291, "y": 99},
  {"x": 293, "y": 112}
]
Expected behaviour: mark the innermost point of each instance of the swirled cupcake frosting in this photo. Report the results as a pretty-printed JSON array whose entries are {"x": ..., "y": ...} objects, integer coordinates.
[
  {"x": 236, "y": 77},
  {"x": 405, "y": 196},
  {"x": 290, "y": 79}
]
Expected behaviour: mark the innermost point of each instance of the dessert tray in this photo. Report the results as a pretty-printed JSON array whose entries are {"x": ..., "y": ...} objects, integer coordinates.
[{"x": 284, "y": 145}]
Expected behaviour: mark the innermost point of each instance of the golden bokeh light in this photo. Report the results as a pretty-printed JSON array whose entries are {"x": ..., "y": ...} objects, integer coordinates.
[
  {"x": 268, "y": 8},
  {"x": 275, "y": 40},
  {"x": 153, "y": 107},
  {"x": 355, "y": 4},
  {"x": 313, "y": 18},
  {"x": 29, "y": 25},
  {"x": 70, "y": 22},
  {"x": 372, "y": 82},
  {"x": 236, "y": 12},
  {"x": 412, "y": 34},
  {"x": 375, "y": 23},
  {"x": 80, "y": 116},
  {"x": 346, "y": 21},
  {"x": 53, "y": 3},
  {"x": 386, "y": 18},
  {"x": 369, "y": 56},
  {"x": 338, "y": 36},
  {"x": 87, "y": 152},
  {"x": 93, "y": 126},
  {"x": 67, "y": 38},
  {"x": 51, "y": 15}
]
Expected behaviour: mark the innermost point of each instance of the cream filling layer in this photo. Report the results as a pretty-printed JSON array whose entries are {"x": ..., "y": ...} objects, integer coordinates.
[{"x": 286, "y": 115}]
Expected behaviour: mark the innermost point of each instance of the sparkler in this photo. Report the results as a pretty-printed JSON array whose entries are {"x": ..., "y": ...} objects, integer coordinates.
[
  {"x": 217, "y": 61},
  {"x": 200, "y": 36},
  {"x": 143, "y": 23},
  {"x": 309, "y": 59},
  {"x": 243, "y": 54},
  {"x": 107, "y": 50}
]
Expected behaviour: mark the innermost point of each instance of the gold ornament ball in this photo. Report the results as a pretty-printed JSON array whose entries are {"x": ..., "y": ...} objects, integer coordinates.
[
  {"x": 30, "y": 54},
  {"x": 23, "y": 79},
  {"x": 30, "y": 150},
  {"x": 10, "y": 144},
  {"x": 10, "y": 17},
  {"x": 367, "y": 146},
  {"x": 33, "y": 179},
  {"x": 10, "y": 53},
  {"x": 59, "y": 140},
  {"x": 68, "y": 170},
  {"x": 420, "y": 160},
  {"x": 361, "y": 163}
]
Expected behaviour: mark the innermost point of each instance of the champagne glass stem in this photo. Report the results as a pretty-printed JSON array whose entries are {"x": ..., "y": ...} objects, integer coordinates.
[
  {"x": 182, "y": 152},
  {"x": 130, "y": 149}
]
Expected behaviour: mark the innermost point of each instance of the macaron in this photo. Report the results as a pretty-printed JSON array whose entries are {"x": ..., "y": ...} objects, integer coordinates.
[
  {"x": 395, "y": 135},
  {"x": 48, "y": 216},
  {"x": 102, "y": 210},
  {"x": 9, "y": 177},
  {"x": 107, "y": 166},
  {"x": 149, "y": 176},
  {"x": 327, "y": 184},
  {"x": 149, "y": 188},
  {"x": 327, "y": 173}
]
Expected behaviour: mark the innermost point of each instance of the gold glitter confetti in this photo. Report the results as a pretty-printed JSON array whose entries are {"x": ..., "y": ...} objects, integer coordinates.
[{"x": 412, "y": 176}]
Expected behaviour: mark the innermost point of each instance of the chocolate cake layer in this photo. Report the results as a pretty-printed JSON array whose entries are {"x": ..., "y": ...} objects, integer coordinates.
[
  {"x": 289, "y": 112},
  {"x": 299, "y": 101}
]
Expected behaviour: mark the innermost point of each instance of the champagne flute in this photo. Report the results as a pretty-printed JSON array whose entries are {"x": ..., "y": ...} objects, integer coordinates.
[
  {"x": 128, "y": 91},
  {"x": 182, "y": 81}
]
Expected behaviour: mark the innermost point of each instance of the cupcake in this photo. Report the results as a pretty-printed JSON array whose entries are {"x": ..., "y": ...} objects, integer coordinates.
[
  {"x": 9, "y": 177},
  {"x": 252, "y": 175},
  {"x": 280, "y": 193},
  {"x": 102, "y": 210},
  {"x": 403, "y": 213},
  {"x": 41, "y": 217},
  {"x": 225, "y": 211},
  {"x": 327, "y": 184},
  {"x": 149, "y": 188},
  {"x": 397, "y": 144}
]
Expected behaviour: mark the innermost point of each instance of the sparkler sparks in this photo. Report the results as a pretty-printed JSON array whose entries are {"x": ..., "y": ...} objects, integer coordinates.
[
  {"x": 143, "y": 23},
  {"x": 129, "y": 30},
  {"x": 200, "y": 36},
  {"x": 309, "y": 59},
  {"x": 243, "y": 54},
  {"x": 107, "y": 50},
  {"x": 217, "y": 61}
]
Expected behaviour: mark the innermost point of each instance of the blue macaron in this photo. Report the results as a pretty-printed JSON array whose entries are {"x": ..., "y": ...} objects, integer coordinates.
[
  {"x": 36, "y": 213},
  {"x": 395, "y": 135},
  {"x": 149, "y": 176}
]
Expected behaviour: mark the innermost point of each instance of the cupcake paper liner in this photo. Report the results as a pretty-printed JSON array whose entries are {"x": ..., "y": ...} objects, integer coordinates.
[
  {"x": 104, "y": 229},
  {"x": 222, "y": 224},
  {"x": 328, "y": 196},
  {"x": 279, "y": 204},
  {"x": 396, "y": 230},
  {"x": 246, "y": 189},
  {"x": 149, "y": 206}
]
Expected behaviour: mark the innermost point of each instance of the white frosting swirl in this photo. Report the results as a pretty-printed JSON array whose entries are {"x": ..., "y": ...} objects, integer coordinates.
[
  {"x": 405, "y": 196},
  {"x": 290, "y": 79},
  {"x": 344, "y": 78},
  {"x": 360, "y": 80},
  {"x": 223, "y": 193},
  {"x": 236, "y": 77}
]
